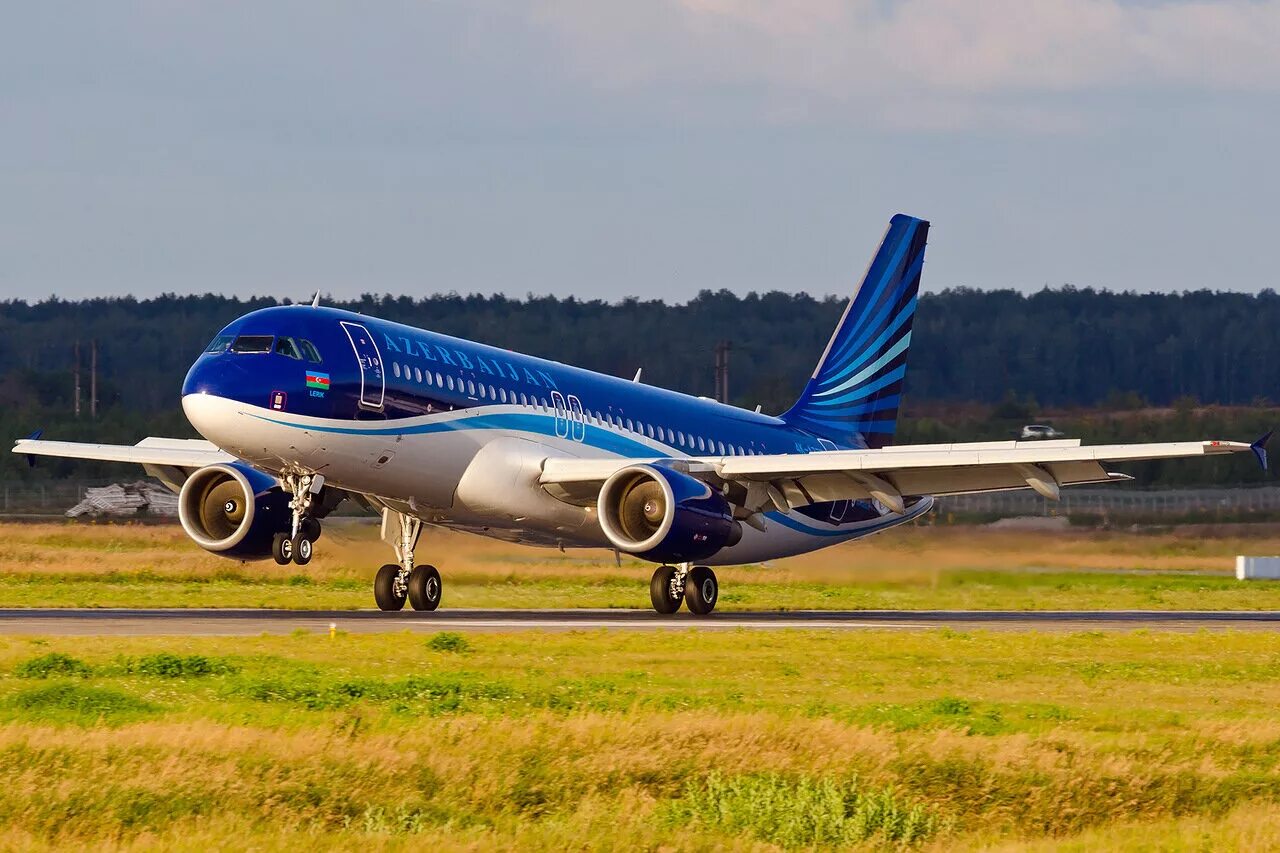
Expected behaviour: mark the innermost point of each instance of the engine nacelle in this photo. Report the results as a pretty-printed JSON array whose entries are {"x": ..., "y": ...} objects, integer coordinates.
[
  {"x": 665, "y": 515},
  {"x": 233, "y": 510}
]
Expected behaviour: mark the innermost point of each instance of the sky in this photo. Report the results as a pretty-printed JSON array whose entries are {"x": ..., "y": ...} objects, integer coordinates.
[{"x": 609, "y": 149}]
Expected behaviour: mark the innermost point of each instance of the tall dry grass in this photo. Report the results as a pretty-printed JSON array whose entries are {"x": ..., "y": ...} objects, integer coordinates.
[{"x": 350, "y": 549}]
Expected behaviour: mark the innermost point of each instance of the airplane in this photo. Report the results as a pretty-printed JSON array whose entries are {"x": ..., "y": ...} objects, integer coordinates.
[{"x": 302, "y": 407}]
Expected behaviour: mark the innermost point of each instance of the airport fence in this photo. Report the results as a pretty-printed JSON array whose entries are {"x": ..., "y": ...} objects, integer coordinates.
[
  {"x": 1208, "y": 504},
  {"x": 54, "y": 497}
]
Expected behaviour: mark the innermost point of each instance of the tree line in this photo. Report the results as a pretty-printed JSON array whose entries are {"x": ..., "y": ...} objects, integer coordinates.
[{"x": 1058, "y": 348}]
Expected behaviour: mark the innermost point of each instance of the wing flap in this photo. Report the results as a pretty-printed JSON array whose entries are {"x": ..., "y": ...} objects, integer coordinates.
[{"x": 888, "y": 474}]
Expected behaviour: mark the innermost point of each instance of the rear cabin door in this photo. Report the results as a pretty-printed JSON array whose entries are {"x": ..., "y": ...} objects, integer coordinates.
[
  {"x": 373, "y": 381},
  {"x": 577, "y": 419}
]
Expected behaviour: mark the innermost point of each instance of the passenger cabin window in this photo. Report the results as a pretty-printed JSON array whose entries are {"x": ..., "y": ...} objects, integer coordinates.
[
  {"x": 286, "y": 347},
  {"x": 252, "y": 343},
  {"x": 219, "y": 344}
]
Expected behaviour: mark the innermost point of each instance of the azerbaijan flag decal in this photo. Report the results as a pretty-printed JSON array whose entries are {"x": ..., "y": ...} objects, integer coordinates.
[{"x": 316, "y": 379}]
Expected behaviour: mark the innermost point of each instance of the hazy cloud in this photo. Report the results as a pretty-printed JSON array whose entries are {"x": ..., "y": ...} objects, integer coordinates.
[
  {"x": 607, "y": 148},
  {"x": 871, "y": 54}
]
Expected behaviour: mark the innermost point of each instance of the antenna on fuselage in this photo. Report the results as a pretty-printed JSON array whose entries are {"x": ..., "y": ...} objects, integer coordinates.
[
  {"x": 636, "y": 378},
  {"x": 315, "y": 300}
]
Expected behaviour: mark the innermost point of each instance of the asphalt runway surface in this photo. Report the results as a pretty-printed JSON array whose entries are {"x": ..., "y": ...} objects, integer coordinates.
[{"x": 87, "y": 622}]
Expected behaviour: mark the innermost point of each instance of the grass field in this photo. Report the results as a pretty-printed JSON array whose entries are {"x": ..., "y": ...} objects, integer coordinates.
[
  {"x": 680, "y": 740},
  {"x": 617, "y": 740},
  {"x": 913, "y": 567}
]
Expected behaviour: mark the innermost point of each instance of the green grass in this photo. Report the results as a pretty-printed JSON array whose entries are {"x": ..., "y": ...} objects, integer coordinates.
[
  {"x": 952, "y": 589},
  {"x": 802, "y": 811},
  {"x": 597, "y": 739}
]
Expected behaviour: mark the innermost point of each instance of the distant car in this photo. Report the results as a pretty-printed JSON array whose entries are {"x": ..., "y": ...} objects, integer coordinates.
[{"x": 1035, "y": 431}]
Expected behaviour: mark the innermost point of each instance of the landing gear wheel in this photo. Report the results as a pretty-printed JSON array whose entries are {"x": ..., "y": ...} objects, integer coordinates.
[
  {"x": 424, "y": 588},
  {"x": 384, "y": 588},
  {"x": 282, "y": 548},
  {"x": 660, "y": 590},
  {"x": 701, "y": 590},
  {"x": 310, "y": 528},
  {"x": 301, "y": 549}
]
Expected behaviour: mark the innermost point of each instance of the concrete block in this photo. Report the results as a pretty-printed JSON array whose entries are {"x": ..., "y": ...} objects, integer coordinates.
[{"x": 1257, "y": 568}]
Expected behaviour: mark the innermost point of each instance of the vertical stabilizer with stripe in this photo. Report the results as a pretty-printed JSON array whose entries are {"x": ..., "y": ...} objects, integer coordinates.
[{"x": 855, "y": 390}]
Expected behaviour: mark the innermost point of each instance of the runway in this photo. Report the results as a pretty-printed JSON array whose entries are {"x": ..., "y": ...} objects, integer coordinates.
[{"x": 88, "y": 622}]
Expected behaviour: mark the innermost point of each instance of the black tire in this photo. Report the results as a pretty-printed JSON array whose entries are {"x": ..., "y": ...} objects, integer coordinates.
[
  {"x": 282, "y": 548},
  {"x": 701, "y": 590},
  {"x": 302, "y": 549},
  {"x": 425, "y": 588},
  {"x": 310, "y": 528},
  {"x": 384, "y": 588},
  {"x": 660, "y": 591}
]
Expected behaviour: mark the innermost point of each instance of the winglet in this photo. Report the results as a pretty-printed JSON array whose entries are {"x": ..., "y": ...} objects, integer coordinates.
[
  {"x": 1259, "y": 449},
  {"x": 31, "y": 460}
]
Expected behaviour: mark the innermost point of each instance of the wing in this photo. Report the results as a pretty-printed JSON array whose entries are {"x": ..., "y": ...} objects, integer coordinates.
[
  {"x": 789, "y": 480},
  {"x": 169, "y": 460}
]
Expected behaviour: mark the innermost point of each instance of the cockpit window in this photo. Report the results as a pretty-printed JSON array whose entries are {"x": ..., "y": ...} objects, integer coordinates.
[
  {"x": 309, "y": 350},
  {"x": 286, "y": 346},
  {"x": 252, "y": 343},
  {"x": 219, "y": 344}
]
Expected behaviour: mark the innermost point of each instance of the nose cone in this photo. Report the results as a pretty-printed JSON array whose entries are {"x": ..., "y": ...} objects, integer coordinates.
[
  {"x": 212, "y": 374},
  {"x": 213, "y": 382},
  {"x": 215, "y": 418}
]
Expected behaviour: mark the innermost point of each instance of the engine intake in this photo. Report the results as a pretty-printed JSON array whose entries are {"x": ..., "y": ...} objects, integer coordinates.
[
  {"x": 665, "y": 515},
  {"x": 233, "y": 511}
]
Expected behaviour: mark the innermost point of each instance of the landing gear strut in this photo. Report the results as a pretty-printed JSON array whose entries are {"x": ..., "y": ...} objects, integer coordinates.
[
  {"x": 394, "y": 584},
  {"x": 296, "y": 544},
  {"x": 696, "y": 586}
]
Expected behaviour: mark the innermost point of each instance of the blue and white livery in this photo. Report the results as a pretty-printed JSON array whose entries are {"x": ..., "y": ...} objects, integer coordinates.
[{"x": 303, "y": 407}]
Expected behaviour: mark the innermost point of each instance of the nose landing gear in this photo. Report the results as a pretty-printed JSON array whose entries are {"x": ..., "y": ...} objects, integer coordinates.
[{"x": 297, "y": 544}]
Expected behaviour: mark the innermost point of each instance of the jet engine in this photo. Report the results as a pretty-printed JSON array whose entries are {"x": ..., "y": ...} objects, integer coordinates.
[
  {"x": 233, "y": 510},
  {"x": 665, "y": 515}
]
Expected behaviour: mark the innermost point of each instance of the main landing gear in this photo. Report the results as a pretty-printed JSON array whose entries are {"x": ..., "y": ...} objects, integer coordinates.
[
  {"x": 697, "y": 587},
  {"x": 297, "y": 544},
  {"x": 394, "y": 584}
]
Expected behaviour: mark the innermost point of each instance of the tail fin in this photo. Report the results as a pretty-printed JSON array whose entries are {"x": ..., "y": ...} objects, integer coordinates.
[{"x": 853, "y": 395}]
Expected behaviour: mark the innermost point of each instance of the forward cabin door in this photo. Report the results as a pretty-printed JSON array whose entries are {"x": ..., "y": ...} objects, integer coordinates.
[
  {"x": 373, "y": 381},
  {"x": 562, "y": 414}
]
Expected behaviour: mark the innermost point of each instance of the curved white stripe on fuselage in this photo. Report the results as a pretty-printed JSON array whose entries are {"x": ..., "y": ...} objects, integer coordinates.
[{"x": 420, "y": 461}]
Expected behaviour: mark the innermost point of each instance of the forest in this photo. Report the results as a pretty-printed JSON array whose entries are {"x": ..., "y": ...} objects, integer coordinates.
[{"x": 1115, "y": 365}]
